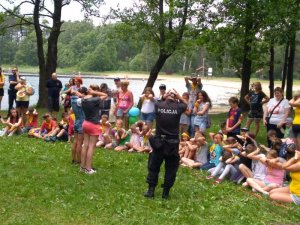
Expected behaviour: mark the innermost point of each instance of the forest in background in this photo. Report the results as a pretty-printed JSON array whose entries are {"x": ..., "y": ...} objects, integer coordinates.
[{"x": 86, "y": 47}]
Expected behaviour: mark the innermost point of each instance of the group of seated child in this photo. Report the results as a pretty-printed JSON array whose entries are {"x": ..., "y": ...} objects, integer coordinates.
[
  {"x": 238, "y": 158},
  {"x": 136, "y": 139},
  {"x": 48, "y": 131}
]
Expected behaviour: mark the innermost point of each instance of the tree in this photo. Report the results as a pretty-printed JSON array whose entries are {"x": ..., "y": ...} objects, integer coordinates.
[
  {"x": 47, "y": 59},
  {"x": 164, "y": 23}
]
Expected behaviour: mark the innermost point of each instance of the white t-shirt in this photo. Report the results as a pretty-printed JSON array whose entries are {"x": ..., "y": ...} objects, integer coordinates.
[
  {"x": 259, "y": 169},
  {"x": 148, "y": 106},
  {"x": 278, "y": 112}
]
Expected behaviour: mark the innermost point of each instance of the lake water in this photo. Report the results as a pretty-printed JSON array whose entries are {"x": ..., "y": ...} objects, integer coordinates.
[{"x": 218, "y": 94}]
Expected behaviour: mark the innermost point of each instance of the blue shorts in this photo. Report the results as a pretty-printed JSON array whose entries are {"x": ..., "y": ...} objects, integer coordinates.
[
  {"x": 148, "y": 117},
  {"x": 200, "y": 121},
  {"x": 120, "y": 113}
]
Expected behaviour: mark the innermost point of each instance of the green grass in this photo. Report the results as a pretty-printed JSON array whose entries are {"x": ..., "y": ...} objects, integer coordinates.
[{"x": 40, "y": 186}]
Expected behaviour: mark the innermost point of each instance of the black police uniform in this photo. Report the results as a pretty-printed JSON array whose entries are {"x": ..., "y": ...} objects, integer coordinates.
[{"x": 165, "y": 143}]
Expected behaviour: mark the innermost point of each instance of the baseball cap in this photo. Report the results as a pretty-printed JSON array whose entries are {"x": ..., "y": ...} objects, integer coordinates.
[
  {"x": 117, "y": 79},
  {"x": 162, "y": 86},
  {"x": 245, "y": 129}
]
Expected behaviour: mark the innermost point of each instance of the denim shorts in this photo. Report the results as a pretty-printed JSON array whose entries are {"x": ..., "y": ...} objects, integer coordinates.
[
  {"x": 296, "y": 199},
  {"x": 79, "y": 116},
  {"x": 200, "y": 121},
  {"x": 120, "y": 113},
  {"x": 148, "y": 117}
]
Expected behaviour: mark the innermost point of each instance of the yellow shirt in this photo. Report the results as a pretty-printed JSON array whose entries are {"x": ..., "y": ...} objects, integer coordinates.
[
  {"x": 297, "y": 116},
  {"x": 2, "y": 79},
  {"x": 295, "y": 184}
]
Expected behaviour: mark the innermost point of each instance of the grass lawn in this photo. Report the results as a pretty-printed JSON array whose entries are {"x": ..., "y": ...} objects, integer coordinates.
[{"x": 40, "y": 186}]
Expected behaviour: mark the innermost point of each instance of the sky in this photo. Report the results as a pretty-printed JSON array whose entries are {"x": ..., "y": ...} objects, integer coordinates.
[{"x": 73, "y": 11}]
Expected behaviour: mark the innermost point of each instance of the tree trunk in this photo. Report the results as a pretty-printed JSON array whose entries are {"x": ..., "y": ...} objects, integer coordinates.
[
  {"x": 290, "y": 71},
  {"x": 41, "y": 56},
  {"x": 271, "y": 70},
  {"x": 285, "y": 65},
  {"x": 156, "y": 68},
  {"x": 51, "y": 63},
  {"x": 247, "y": 67},
  {"x": 154, "y": 72}
]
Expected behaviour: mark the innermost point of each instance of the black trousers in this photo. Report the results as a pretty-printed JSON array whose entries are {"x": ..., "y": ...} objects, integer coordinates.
[
  {"x": 12, "y": 94},
  {"x": 166, "y": 151}
]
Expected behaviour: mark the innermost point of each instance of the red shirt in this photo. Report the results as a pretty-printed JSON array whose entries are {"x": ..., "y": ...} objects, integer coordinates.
[{"x": 48, "y": 126}]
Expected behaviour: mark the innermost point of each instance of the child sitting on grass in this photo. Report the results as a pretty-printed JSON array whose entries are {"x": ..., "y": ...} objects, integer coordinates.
[
  {"x": 134, "y": 143},
  {"x": 13, "y": 124},
  {"x": 121, "y": 137},
  {"x": 118, "y": 126},
  {"x": 274, "y": 175},
  {"x": 145, "y": 135},
  {"x": 258, "y": 169},
  {"x": 61, "y": 132},
  {"x": 200, "y": 156},
  {"x": 104, "y": 136},
  {"x": 228, "y": 160},
  {"x": 183, "y": 144},
  {"x": 47, "y": 128},
  {"x": 32, "y": 120},
  {"x": 215, "y": 152}
]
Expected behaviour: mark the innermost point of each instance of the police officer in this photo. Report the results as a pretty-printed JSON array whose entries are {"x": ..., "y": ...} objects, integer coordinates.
[{"x": 165, "y": 142}]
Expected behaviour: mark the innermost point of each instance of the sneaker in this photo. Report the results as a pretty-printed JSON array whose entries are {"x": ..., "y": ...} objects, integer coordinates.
[
  {"x": 10, "y": 134},
  {"x": 53, "y": 138},
  {"x": 91, "y": 171},
  {"x": 218, "y": 181},
  {"x": 209, "y": 177},
  {"x": 47, "y": 139},
  {"x": 82, "y": 169}
]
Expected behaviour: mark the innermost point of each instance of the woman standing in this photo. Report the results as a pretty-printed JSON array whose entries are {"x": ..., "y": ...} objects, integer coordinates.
[
  {"x": 147, "y": 109},
  {"x": 23, "y": 95},
  {"x": 2, "y": 82},
  {"x": 295, "y": 103},
  {"x": 201, "y": 107},
  {"x": 76, "y": 91},
  {"x": 124, "y": 103},
  {"x": 277, "y": 111},
  {"x": 256, "y": 98},
  {"x": 91, "y": 126}
]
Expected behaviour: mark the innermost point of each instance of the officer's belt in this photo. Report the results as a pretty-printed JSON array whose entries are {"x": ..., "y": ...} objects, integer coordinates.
[{"x": 164, "y": 136}]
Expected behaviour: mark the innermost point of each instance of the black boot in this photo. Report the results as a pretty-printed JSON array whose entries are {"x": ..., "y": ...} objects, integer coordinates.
[
  {"x": 165, "y": 194},
  {"x": 150, "y": 192}
]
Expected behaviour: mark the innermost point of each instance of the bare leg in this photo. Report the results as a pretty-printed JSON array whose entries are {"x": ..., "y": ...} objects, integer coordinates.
[
  {"x": 74, "y": 158},
  {"x": 79, "y": 146},
  {"x": 248, "y": 123},
  {"x": 245, "y": 171},
  {"x": 90, "y": 152},
  {"x": 86, "y": 139},
  {"x": 281, "y": 195},
  {"x": 256, "y": 127},
  {"x": 257, "y": 185}
]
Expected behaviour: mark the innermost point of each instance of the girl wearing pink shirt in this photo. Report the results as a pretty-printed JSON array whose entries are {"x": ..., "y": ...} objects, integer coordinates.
[
  {"x": 274, "y": 175},
  {"x": 124, "y": 103}
]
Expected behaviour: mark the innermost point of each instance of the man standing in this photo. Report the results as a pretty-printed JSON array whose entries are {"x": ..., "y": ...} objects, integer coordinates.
[
  {"x": 12, "y": 92},
  {"x": 53, "y": 86},
  {"x": 193, "y": 88},
  {"x": 165, "y": 142}
]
